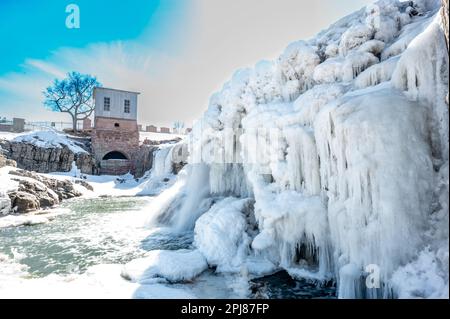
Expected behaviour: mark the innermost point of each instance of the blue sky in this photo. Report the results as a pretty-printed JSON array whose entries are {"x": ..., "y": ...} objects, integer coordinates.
[
  {"x": 30, "y": 28},
  {"x": 175, "y": 52}
]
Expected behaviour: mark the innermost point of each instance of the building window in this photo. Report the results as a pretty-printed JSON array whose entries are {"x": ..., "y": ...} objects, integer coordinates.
[
  {"x": 126, "y": 106},
  {"x": 106, "y": 104}
]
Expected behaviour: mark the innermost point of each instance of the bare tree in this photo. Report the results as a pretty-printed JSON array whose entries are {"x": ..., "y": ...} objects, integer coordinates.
[
  {"x": 177, "y": 126},
  {"x": 73, "y": 95}
]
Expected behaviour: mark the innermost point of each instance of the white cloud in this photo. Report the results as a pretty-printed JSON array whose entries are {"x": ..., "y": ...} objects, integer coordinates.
[{"x": 45, "y": 67}]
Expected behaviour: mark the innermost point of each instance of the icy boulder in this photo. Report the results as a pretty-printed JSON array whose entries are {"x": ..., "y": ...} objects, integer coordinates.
[
  {"x": 354, "y": 37},
  {"x": 329, "y": 71},
  {"x": 160, "y": 265},
  {"x": 220, "y": 234}
]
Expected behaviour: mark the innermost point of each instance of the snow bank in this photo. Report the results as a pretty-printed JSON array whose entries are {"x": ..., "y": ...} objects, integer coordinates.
[
  {"x": 179, "y": 265},
  {"x": 49, "y": 139},
  {"x": 155, "y": 136}
]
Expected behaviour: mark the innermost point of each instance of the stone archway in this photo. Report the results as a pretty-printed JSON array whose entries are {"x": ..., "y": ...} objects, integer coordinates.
[
  {"x": 115, "y": 163},
  {"x": 116, "y": 155}
]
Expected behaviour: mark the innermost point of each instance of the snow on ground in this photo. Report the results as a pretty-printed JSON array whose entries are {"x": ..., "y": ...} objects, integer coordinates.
[
  {"x": 112, "y": 185},
  {"x": 153, "y": 136},
  {"x": 10, "y": 135}
]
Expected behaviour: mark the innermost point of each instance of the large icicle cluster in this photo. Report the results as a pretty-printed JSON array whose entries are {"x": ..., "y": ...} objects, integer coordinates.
[{"x": 340, "y": 147}]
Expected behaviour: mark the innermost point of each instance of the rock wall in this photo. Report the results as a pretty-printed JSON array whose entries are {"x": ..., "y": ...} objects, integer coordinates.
[
  {"x": 45, "y": 160},
  {"x": 59, "y": 159},
  {"x": 180, "y": 155},
  {"x": 143, "y": 159}
]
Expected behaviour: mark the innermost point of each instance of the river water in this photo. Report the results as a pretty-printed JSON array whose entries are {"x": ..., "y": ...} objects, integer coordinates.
[{"x": 101, "y": 231}]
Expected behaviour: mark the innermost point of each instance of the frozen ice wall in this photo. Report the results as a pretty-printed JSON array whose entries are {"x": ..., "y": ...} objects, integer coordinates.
[{"x": 332, "y": 161}]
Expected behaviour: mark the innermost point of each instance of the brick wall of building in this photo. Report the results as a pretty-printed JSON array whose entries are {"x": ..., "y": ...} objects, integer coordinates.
[
  {"x": 115, "y": 167},
  {"x": 115, "y": 135}
]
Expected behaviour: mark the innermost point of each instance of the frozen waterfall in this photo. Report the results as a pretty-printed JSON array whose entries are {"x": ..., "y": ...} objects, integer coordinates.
[{"x": 330, "y": 162}]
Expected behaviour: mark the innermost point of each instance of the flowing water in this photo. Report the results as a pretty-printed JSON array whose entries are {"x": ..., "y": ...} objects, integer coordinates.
[
  {"x": 89, "y": 232},
  {"x": 103, "y": 231}
]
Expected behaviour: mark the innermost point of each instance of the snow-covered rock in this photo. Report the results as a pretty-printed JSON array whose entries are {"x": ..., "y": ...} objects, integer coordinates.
[
  {"x": 49, "y": 139},
  {"x": 28, "y": 191}
]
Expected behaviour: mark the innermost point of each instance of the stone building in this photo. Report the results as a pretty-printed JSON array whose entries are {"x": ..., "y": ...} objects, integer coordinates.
[
  {"x": 151, "y": 128},
  {"x": 115, "y": 136},
  {"x": 17, "y": 126}
]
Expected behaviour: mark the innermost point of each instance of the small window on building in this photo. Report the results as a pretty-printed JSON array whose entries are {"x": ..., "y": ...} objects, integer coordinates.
[
  {"x": 116, "y": 124},
  {"x": 126, "y": 106},
  {"x": 106, "y": 104}
]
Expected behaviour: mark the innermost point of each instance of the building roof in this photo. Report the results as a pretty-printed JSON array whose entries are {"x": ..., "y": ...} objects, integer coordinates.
[{"x": 104, "y": 88}]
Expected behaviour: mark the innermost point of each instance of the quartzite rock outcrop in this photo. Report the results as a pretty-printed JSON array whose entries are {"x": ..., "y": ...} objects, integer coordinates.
[{"x": 47, "y": 159}]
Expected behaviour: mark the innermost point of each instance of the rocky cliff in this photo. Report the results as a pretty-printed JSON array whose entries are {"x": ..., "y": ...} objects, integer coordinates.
[{"x": 47, "y": 159}]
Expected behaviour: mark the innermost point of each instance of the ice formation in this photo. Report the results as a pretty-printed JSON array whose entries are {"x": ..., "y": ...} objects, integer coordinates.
[
  {"x": 179, "y": 265},
  {"x": 332, "y": 161},
  {"x": 163, "y": 161}
]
